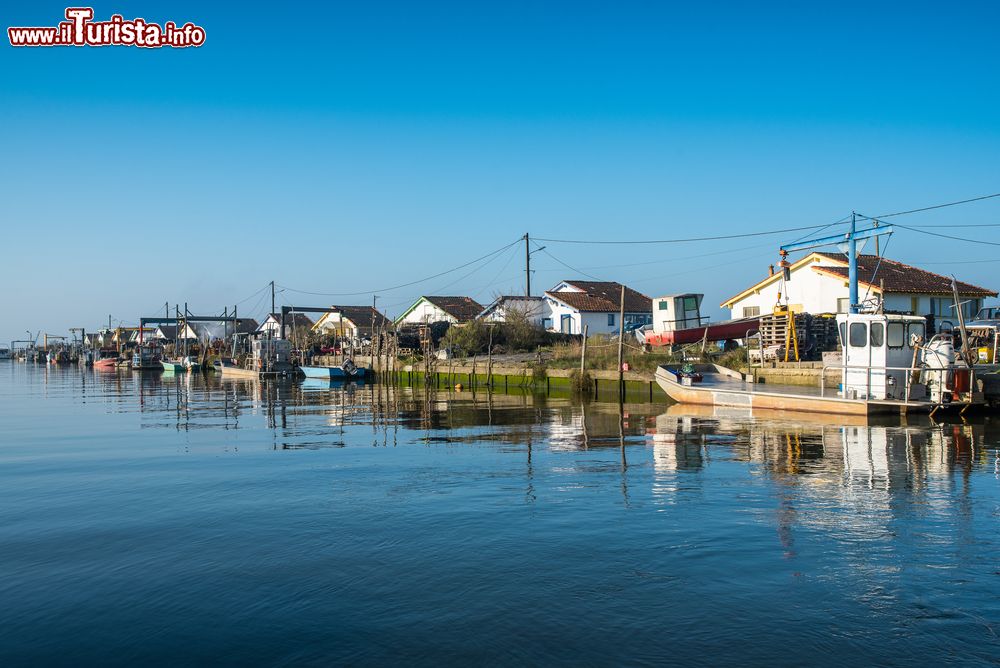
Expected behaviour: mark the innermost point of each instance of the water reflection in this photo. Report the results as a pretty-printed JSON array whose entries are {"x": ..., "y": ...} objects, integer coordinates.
[{"x": 481, "y": 517}]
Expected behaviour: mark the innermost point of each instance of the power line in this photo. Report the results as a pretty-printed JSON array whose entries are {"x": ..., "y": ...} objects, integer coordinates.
[
  {"x": 935, "y": 206},
  {"x": 542, "y": 248},
  {"x": 265, "y": 287},
  {"x": 688, "y": 240},
  {"x": 947, "y": 236},
  {"x": 403, "y": 285}
]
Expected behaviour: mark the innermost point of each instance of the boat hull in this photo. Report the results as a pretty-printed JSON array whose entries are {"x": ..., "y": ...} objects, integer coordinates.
[
  {"x": 107, "y": 363},
  {"x": 724, "y": 387},
  {"x": 720, "y": 331},
  {"x": 331, "y": 373}
]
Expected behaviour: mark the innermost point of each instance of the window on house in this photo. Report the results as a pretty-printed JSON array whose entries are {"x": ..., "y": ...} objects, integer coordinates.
[
  {"x": 611, "y": 320},
  {"x": 546, "y": 323},
  {"x": 751, "y": 311},
  {"x": 843, "y": 304}
]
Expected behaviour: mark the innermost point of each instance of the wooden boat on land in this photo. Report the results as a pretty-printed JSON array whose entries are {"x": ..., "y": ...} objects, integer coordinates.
[{"x": 880, "y": 374}]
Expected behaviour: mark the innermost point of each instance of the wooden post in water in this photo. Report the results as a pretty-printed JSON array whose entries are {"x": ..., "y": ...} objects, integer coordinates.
[
  {"x": 489, "y": 361},
  {"x": 583, "y": 354},
  {"x": 621, "y": 347}
]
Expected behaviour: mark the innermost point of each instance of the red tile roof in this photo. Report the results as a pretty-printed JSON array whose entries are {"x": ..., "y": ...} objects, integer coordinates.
[
  {"x": 901, "y": 278},
  {"x": 603, "y": 297}
]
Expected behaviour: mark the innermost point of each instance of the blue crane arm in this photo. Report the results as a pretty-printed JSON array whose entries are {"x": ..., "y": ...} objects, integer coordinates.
[{"x": 837, "y": 239}]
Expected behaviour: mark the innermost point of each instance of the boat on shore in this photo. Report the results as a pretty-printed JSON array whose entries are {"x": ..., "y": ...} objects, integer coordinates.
[{"x": 887, "y": 368}]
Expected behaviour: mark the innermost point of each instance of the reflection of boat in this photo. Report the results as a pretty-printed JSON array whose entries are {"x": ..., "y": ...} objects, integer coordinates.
[
  {"x": 745, "y": 413},
  {"x": 4, "y": 353},
  {"x": 312, "y": 384},
  {"x": 887, "y": 369}
]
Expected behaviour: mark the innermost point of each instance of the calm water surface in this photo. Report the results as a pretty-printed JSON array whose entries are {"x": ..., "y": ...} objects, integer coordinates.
[{"x": 162, "y": 519}]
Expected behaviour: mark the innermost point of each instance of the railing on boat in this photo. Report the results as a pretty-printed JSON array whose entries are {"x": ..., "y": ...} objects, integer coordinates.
[{"x": 912, "y": 372}]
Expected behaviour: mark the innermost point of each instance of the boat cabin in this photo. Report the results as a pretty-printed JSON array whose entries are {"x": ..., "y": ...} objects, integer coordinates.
[
  {"x": 674, "y": 312},
  {"x": 271, "y": 351},
  {"x": 878, "y": 351}
]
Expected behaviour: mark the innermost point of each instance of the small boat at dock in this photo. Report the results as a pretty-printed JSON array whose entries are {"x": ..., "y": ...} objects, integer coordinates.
[
  {"x": 346, "y": 371},
  {"x": 269, "y": 358}
]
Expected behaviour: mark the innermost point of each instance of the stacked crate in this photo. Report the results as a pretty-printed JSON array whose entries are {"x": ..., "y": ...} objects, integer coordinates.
[{"x": 815, "y": 334}]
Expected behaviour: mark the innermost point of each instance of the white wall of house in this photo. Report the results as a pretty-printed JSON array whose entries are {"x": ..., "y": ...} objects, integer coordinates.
[
  {"x": 597, "y": 323},
  {"x": 337, "y": 324},
  {"x": 536, "y": 310},
  {"x": 812, "y": 291},
  {"x": 424, "y": 311}
]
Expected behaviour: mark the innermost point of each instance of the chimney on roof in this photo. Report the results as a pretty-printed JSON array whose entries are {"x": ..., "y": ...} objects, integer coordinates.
[{"x": 770, "y": 270}]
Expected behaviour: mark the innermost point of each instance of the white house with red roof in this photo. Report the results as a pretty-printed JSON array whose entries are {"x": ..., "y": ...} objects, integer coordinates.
[
  {"x": 596, "y": 304},
  {"x": 818, "y": 284}
]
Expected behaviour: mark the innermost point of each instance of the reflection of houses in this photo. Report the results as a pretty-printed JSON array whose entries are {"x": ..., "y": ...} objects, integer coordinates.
[
  {"x": 454, "y": 310},
  {"x": 294, "y": 322},
  {"x": 351, "y": 322},
  {"x": 596, "y": 304},
  {"x": 818, "y": 284}
]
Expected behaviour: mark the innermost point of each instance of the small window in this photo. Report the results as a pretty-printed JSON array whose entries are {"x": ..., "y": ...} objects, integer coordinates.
[
  {"x": 690, "y": 304},
  {"x": 896, "y": 334},
  {"x": 859, "y": 335},
  {"x": 611, "y": 320},
  {"x": 843, "y": 305},
  {"x": 546, "y": 323},
  {"x": 843, "y": 333},
  {"x": 751, "y": 311},
  {"x": 877, "y": 334},
  {"x": 664, "y": 305},
  {"x": 915, "y": 329}
]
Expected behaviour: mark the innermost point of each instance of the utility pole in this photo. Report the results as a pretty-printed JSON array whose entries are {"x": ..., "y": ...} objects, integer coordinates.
[
  {"x": 271, "y": 329},
  {"x": 877, "y": 252},
  {"x": 852, "y": 267},
  {"x": 272, "y": 296},
  {"x": 527, "y": 267}
]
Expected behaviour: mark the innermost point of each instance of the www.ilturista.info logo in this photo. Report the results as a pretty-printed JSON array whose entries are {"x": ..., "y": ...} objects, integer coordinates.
[{"x": 81, "y": 30}]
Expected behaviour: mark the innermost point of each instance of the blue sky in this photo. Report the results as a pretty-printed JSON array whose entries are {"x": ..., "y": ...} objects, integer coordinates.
[{"x": 346, "y": 147}]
